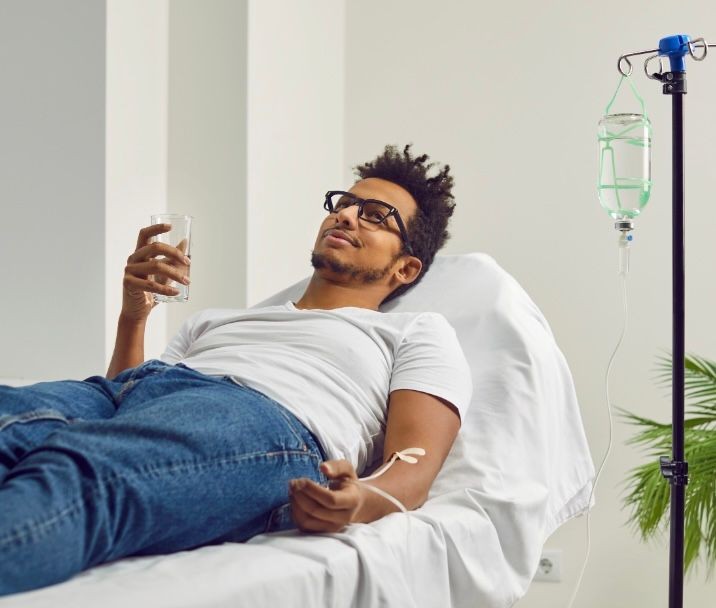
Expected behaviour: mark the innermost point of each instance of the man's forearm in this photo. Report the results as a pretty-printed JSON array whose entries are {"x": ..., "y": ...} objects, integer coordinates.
[
  {"x": 129, "y": 346},
  {"x": 397, "y": 482}
]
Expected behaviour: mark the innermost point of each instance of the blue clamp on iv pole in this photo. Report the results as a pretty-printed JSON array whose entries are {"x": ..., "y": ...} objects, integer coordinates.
[
  {"x": 675, "y": 48},
  {"x": 675, "y": 470}
]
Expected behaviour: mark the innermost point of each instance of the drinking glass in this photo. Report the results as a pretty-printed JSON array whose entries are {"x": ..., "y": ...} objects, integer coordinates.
[{"x": 180, "y": 237}]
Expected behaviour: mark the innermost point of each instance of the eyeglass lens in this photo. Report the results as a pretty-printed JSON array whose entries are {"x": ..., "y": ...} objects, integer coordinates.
[{"x": 373, "y": 211}]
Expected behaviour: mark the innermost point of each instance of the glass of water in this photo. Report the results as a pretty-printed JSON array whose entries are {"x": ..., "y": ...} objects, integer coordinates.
[{"x": 180, "y": 237}]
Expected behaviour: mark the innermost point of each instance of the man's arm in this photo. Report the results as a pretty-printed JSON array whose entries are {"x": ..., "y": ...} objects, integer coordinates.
[
  {"x": 415, "y": 419},
  {"x": 129, "y": 346}
]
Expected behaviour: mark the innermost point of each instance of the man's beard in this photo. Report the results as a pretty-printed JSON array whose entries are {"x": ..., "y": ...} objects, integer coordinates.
[{"x": 359, "y": 273}]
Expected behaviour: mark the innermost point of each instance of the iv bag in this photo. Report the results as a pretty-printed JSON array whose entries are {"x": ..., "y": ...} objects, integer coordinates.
[{"x": 624, "y": 164}]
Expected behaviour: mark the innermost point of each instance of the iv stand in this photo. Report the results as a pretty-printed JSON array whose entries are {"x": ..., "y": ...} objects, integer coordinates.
[{"x": 675, "y": 470}]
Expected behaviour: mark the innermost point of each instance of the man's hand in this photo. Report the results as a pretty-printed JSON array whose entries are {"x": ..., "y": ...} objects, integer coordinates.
[
  {"x": 319, "y": 509},
  {"x": 137, "y": 298}
]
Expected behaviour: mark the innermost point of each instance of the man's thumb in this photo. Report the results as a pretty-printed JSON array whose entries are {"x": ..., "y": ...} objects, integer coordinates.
[{"x": 338, "y": 468}]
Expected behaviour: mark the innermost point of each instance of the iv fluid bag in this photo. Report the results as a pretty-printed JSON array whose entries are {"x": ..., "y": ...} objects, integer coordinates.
[{"x": 624, "y": 164}]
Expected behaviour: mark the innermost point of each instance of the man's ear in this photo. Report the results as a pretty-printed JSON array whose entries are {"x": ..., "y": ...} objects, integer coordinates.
[{"x": 409, "y": 269}]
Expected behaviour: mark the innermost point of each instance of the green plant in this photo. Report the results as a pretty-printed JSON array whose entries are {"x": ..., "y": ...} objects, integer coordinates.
[{"x": 651, "y": 493}]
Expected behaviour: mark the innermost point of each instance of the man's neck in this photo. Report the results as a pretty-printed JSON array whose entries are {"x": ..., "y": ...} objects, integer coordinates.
[
  {"x": 304, "y": 304},
  {"x": 326, "y": 296}
]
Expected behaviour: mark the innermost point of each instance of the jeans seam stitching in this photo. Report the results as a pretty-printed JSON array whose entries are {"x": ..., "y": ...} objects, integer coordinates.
[
  {"x": 196, "y": 466},
  {"x": 290, "y": 424},
  {"x": 123, "y": 389},
  {"x": 45, "y": 525},
  {"x": 32, "y": 416}
]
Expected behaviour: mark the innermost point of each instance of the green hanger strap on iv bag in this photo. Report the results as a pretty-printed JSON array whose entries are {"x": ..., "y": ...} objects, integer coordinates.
[
  {"x": 636, "y": 94},
  {"x": 624, "y": 184}
]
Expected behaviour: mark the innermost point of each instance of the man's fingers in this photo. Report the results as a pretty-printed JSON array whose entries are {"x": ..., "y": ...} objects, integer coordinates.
[
  {"x": 311, "y": 508},
  {"x": 136, "y": 284},
  {"x": 146, "y": 233},
  {"x": 144, "y": 253},
  {"x": 309, "y": 516},
  {"x": 311, "y": 524},
  {"x": 330, "y": 499},
  {"x": 339, "y": 468},
  {"x": 159, "y": 268}
]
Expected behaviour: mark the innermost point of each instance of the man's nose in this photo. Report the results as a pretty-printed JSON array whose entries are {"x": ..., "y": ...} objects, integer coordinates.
[{"x": 348, "y": 215}]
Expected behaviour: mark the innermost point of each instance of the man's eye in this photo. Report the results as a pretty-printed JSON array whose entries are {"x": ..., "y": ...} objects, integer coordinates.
[{"x": 375, "y": 212}]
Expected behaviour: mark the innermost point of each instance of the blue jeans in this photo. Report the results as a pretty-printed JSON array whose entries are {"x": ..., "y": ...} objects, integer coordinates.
[{"x": 160, "y": 459}]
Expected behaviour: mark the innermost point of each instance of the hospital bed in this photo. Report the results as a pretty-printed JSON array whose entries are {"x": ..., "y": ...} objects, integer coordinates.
[{"x": 519, "y": 468}]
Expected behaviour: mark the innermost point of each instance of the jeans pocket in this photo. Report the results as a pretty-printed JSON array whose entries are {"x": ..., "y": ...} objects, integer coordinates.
[{"x": 280, "y": 519}]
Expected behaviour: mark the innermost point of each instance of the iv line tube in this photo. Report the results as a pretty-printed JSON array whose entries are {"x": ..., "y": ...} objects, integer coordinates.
[
  {"x": 623, "y": 270},
  {"x": 404, "y": 456}
]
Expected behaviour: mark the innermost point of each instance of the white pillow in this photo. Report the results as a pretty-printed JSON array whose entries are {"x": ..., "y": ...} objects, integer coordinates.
[{"x": 522, "y": 443}]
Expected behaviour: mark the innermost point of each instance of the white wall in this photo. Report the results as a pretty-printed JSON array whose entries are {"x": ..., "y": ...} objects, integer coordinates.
[
  {"x": 136, "y": 150},
  {"x": 510, "y": 95},
  {"x": 52, "y": 116},
  {"x": 295, "y": 135},
  {"x": 255, "y": 138},
  {"x": 207, "y": 151},
  {"x": 84, "y": 165}
]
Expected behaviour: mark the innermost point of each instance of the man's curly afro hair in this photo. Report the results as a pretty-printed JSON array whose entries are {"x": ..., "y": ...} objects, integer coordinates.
[{"x": 427, "y": 229}]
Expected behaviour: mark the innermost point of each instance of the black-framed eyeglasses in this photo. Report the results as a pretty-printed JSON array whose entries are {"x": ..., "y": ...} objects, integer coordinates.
[{"x": 370, "y": 210}]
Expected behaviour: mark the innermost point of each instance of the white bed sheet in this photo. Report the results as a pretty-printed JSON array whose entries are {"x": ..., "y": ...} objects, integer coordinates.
[
  {"x": 519, "y": 469},
  {"x": 364, "y": 566}
]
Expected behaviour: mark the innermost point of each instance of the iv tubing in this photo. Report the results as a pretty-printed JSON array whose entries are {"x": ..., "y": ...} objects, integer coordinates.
[
  {"x": 624, "y": 245},
  {"x": 403, "y": 455}
]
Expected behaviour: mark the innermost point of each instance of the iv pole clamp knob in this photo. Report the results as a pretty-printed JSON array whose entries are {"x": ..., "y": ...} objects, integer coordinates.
[
  {"x": 676, "y": 48},
  {"x": 675, "y": 471}
]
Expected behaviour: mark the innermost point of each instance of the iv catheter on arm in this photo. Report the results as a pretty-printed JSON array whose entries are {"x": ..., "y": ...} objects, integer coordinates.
[{"x": 403, "y": 455}]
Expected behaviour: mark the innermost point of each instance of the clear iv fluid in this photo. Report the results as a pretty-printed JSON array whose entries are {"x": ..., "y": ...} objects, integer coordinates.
[{"x": 624, "y": 164}]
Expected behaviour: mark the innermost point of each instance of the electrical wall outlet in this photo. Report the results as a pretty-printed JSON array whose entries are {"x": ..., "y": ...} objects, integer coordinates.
[{"x": 550, "y": 566}]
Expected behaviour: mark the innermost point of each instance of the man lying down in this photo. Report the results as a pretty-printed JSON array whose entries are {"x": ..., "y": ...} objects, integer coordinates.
[{"x": 252, "y": 420}]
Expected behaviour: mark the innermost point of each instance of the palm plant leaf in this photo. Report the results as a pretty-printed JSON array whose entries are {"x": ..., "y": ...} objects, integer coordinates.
[{"x": 650, "y": 493}]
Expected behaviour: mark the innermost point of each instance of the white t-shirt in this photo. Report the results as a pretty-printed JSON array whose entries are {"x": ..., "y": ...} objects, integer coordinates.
[{"x": 333, "y": 369}]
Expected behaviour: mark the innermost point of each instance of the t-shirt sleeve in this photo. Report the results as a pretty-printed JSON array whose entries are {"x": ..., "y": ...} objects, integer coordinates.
[
  {"x": 179, "y": 345},
  {"x": 431, "y": 360}
]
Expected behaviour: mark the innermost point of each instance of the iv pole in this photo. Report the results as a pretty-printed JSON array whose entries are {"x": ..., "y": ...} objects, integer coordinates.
[{"x": 676, "y": 471}]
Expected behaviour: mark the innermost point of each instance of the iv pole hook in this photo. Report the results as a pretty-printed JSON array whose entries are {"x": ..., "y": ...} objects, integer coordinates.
[
  {"x": 692, "y": 46},
  {"x": 619, "y": 65},
  {"x": 655, "y": 75}
]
